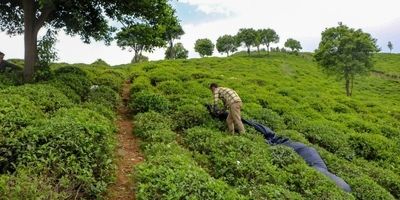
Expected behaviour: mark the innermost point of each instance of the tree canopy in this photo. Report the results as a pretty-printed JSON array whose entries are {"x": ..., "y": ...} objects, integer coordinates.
[
  {"x": 86, "y": 18},
  {"x": 390, "y": 46},
  {"x": 204, "y": 47},
  {"x": 247, "y": 37},
  {"x": 179, "y": 52},
  {"x": 345, "y": 53},
  {"x": 293, "y": 45},
  {"x": 139, "y": 38},
  {"x": 226, "y": 44},
  {"x": 268, "y": 36}
]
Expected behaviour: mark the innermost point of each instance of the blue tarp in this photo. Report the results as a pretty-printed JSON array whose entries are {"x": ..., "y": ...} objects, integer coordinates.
[{"x": 309, "y": 154}]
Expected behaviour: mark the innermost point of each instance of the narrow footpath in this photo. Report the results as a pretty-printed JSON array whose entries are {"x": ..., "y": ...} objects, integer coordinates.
[{"x": 128, "y": 153}]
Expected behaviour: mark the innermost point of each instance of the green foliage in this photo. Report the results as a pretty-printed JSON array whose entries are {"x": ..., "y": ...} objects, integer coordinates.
[
  {"x": 247, "y": 37},
  {"x": 148, "y": 101},
  {"x": 104, "y": 95},
  {"x": 25, "y": 185},
  {"x": 188, "y": 116},
  {"x": 49, "y": 99},
  {"x": 268, "y": 36},
  {"x": 293, "y": 44},
  {"x": 390, "y": 46},
  {"x": 100, "y": 62},
  {"x": 171, "y": 174},
  {"x": 226, "y": 44},
  {"x": 140, "y": 37},
  {"x": 345, "y": 53},
  {"x": 149, "y": 122},
  {"x": 204, "y": 47},
  {"x": 112, "y": 81},
  {"x": 46, "y": 50},
  {"x": 81, "y": 139},
  {"x": 178, "y": 51},
  {"x": 80, "y": 84}
]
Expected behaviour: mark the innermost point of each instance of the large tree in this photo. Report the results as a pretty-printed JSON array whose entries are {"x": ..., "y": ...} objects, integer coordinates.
[
  {"x": 247, "y": 37},
  {"x": 172, "y": 30},
  {"x": 204, "y": 47},
  {"x": 139, "y": 38},
  {"x": 178, "y": 50},
  {"x": 390, "y": 46},
  {"x": 293, "y": 45},
  {"x": 87, "y": 18},
  {"x": 345, "y": 53},
  {"x": 268, "y": 36},
  {"x": 226, "y": 44}
]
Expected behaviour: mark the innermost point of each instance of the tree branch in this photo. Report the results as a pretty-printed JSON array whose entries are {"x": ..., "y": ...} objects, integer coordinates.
[{"x": 42, "y": 18}]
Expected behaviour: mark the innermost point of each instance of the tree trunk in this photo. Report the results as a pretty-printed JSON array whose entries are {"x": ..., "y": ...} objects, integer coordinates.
[
  {"x": 348, "y": 93},
  {"x": 172, "y": 50},
  {"x": 268, "y": 48},
  {"x": 30, "y": 39},
  {"x": 227, "y": 54},
  {"x": 248, "y": 50},
  {"x": 258, "y": 49}
]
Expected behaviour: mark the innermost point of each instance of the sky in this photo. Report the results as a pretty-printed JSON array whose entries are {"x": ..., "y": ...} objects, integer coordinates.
[{"x": 303, "y": 20}]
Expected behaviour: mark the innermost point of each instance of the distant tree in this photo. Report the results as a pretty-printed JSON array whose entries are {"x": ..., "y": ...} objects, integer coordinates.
[
  {"x": 269, "y": 36},
  {"x": 390, "y": 46},
  {"x": 139, "y": 59},
  {"x": 87, "y": 18},
  {"x": 179, "y": 52},
  {"x": 345, "y": 53},
  {"x": 100, "y": 62},
  {"x": 258, "y": 40},
  {"x": 293, "y": 45},
  {"x": 204, "y": 47},
  {"x": 247, "y": 36},
  {"x": 172, "y": 30},
  {"x": 226, "y": 44},
  {"x": 139, "y": 38}
]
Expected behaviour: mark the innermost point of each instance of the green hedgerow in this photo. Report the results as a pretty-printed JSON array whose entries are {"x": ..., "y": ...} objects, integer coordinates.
[
  {"x": 145, "y": 123},
  {"x": 104, "y": 95},
  {"x": 48, "y": 98},
  {"x": 148, "y": 101}
]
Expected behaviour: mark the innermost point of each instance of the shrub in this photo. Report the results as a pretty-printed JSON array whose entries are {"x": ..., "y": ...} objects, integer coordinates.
[
  {"x": 76, "y": 145},
  {"x": 110, "y": 80},
  {"x": 171, "y": 174},
  {"x": 148, "y": 101},
  {"x": 27, "y": 185},
  {"x": 16, "y": 113},
  {"x": 140, "y": 84},
  {"x": 365, "y": 188},
  {"x": 312, "y": 184},
  {"x": 104, "y": 95},
  {"x": 48, "y": 98},
  {"x": 79, "y": 84},
  {"x": 146, "y": 123},
  {"x": 107, "y": 112},
  {"x": 188, "y": 116},
  {"x": 70, "y": 70},
  {"x": 170, "y": 87},
  {"x": 282, "y": 156},
  {"x": 372, "y": 146},
  {"x": 269, "y": 118}
]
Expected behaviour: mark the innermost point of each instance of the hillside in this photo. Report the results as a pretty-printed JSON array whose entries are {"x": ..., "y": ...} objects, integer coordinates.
[{"x": 58, "y": 136}]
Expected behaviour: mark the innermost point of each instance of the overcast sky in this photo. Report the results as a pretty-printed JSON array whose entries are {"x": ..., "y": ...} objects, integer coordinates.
[{"x": 303, "y": 20}]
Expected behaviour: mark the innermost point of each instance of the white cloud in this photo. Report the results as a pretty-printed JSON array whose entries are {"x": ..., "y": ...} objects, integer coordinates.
[{"x": 300, "y": 19}]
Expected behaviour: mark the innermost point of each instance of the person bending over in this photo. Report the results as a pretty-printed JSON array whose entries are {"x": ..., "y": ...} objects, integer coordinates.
[{"x": 233, "y": 103}]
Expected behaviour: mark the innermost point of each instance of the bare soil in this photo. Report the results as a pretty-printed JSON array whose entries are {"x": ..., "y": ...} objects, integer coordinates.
[{"x": 128, "y": 152}]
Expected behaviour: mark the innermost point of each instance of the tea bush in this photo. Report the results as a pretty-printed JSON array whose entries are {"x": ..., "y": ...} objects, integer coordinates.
[
  {"x": 49, "y": 99},
  {"x": 104, "y": 95},
  {"x": 76, "y": 145},
  {"x": 148, "y": 101}
]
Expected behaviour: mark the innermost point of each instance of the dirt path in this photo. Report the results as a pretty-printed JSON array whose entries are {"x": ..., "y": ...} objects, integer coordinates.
[{"x": 128, "y": 153}]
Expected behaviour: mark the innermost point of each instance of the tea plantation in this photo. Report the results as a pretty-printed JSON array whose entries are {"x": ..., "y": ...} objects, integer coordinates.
[{"x": 57, "y": 137}]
